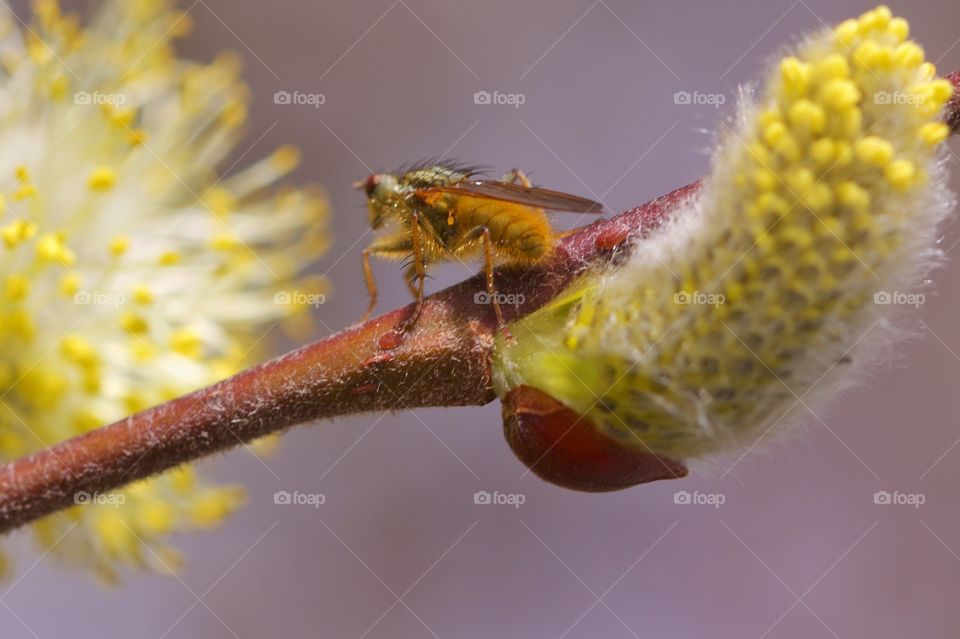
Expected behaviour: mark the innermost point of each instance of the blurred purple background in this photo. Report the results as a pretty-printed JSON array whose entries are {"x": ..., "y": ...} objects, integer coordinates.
[{"x": 399, "y": 549}]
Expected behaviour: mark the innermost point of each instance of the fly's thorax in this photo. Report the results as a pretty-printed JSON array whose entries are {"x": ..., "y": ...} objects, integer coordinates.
[{"x": 432, "y": 176}]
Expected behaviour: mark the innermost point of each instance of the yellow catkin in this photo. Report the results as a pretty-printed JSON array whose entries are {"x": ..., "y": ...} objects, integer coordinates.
[{"x": 705, "y": 341}]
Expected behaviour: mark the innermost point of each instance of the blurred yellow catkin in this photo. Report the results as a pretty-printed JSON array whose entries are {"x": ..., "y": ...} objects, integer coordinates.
[{"x": 129, "y": 273}]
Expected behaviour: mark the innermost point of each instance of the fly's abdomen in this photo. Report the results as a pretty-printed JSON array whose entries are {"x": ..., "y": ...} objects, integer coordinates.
[{"x": 521, "y": 234}]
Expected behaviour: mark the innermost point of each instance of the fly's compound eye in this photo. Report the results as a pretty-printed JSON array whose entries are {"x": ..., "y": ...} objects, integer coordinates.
[{"x": 368, "y": 185}]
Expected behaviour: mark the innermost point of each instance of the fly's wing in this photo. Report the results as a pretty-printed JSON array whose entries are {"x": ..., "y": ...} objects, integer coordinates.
[{"x": 526, "y": 195}]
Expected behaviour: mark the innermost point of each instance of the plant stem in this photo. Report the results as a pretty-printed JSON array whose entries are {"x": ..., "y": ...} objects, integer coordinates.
[{"x": 444, "y": 360}]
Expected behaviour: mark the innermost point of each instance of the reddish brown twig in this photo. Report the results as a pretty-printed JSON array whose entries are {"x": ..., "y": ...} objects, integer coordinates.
[
  {"x": 443, "y": 361},
  {"x": 952, "y": 114}
]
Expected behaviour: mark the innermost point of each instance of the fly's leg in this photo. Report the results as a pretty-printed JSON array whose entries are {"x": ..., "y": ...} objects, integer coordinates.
[
  {"x": 483, "y": 233},
  {"x": 410, "y": 278},
  {"x": 371, "y": 284},
  {"x": 395, "y": 246},
  {"x": 516, "y": 176},
  {"x": 419, "y": 270},
  {"x": 491, "y": 290}
]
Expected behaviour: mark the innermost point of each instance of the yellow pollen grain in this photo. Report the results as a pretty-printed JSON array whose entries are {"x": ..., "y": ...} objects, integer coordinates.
[
  {"x": 224, "y": 242},
  {"x": 169, "y": 258},
  {"x": 114, "y": 533},
  {"x": 765, "y": 180},
  {"x": 795, "y": 75},
  {"x": 102, "y": 179},
  {"x": 823, "y": 151},
  {"x": 234, "y": 113},
  {"x": 908, "y": 55},
  {"x": 156, "y": 517},
  {"x": 142, "y": 295},
  {"x": 844, "y": 154},
  {"x": 787, "y": 148},
  {"x": 800, "y": 180},
  {"x": 834, "y": 66},
  {"x": 853, "y": 196},
  {"x": 17, "y": 232},
  {"x": 220, "y": 201},
  {"x": 135, "y": 401},
  {"x": 133, "y": 323},
  {"x": 807, "y": 115},
  {"x": 137, "y": 137},
  {"x": 143, "y": 351},
  {"x": 851, "y": 123},
  {"x": 840, "y": 94},
  {"x": 210, "y": 509},
  {"x": 901, "y": 174},
  {"x": 120, "y": 117},
  {"x": 874, "y": 150},
  {"x": 772, "y": 203},
  {"x": 21, "y": 324},
  {"x": 183, "y": 479},
  {"x": 846, "y": 32},
  {"x": 933, "y": 133},
  {"x": 51, "y": 248},
  {"x": 86, "y": 420},
  {"x": 818, "y": 197},
  {"x": 119, "y": 245},
  {"x": 78, "y": 350},
  {"x": 17, "y": 287},
  {"x": 70, "y": 284},
  {"x": 24, "y": 192},
  {"x": 286, "y": 158},
  {"x": 186, "y": 342},
  {"x": 941, "y": 90},
  {"x": 774, "y": 132},
  {"x": 875, "y": 20}
]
